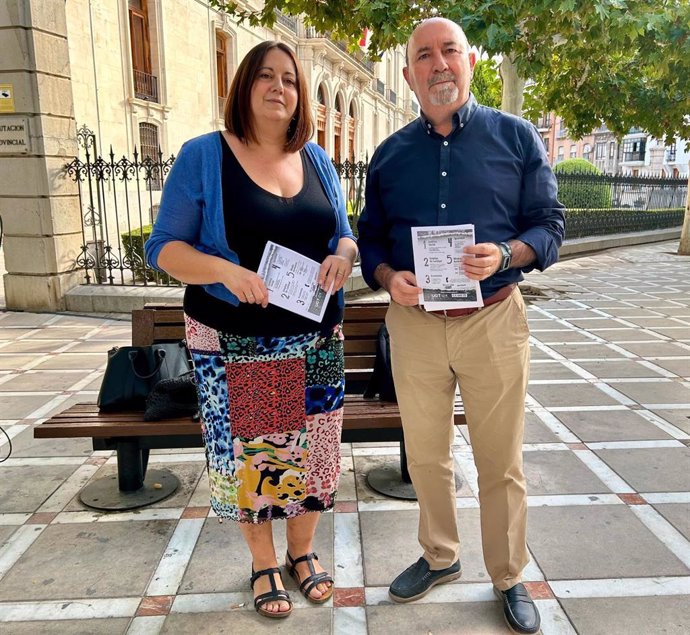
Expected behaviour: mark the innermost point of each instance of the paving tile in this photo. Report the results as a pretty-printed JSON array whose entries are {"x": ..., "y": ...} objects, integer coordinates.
[
  {"x": 610, "y": 425},
  {"x": 678, "y": 514},
  {"x": 570, "y": 395},
  {"x": 678, "y": 332},
  {"x": 24, "y": 445},
  {"x": 13, "y": 333},
  {"x": 39, "y": 381},
  {"x": 5, "y": 532},
  {"x": 651, "y": 469},
  {"x": 33, "y": 320},
  {"x": 553, "y": 472},
  {"x": 12, "y": 361},
  {"x": 623, "y": 616},
  {"x": 478, "y": 618},
  {"x": 660, "y": 392},
  {"x": 655, "y": 349},
  {"x": 99, "y": 346},
  {"x": 389, "y": 544},
  {"x": 605, "y": 368},
  {"x": 561, "y": 336},
  {"x": 25, "y": 488},
  {"x": 679, "y": 418},
  {"x": 209, "y": 573},
  {"x": 622, "y": 335},
  {"x": 108, "y": 560},
  {"x": 537, "y": 353},
  {"x": 594, "y": 323},
  {"x": 551, "y": 370},
  {"x": 653, "y": 322},
  {"x": 536, "y": 431},
  {"x": 20, "y": 406},
  {"x": 680, "y": 367},
  {"x": 67, "y": 361},
  {"x": 603, "y": 541},
  {"x": 587, "y": 351},
  {"x": 308, "y": 621},
  {"x": 34, "y": 346},
  {"x": 115, "y": 626}
]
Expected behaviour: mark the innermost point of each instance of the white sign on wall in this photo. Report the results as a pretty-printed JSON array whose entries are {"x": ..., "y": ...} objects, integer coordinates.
[{"x": 14, "y": 135}]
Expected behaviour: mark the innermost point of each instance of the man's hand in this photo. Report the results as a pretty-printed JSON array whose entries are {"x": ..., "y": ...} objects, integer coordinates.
[
  {"x": 481, "y": 260},
  {"x": 402, "y": 286}
]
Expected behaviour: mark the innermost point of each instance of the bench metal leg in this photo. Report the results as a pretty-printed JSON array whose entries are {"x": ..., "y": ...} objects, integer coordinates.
[
  {"x": 391, "y": 480},
  {"x": 395, "y": 482},
  {"x": 132, "y": 486}
]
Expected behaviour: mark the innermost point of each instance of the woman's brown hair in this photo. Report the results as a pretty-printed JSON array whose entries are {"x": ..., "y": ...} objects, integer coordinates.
[{"x": 238, "y": 113}]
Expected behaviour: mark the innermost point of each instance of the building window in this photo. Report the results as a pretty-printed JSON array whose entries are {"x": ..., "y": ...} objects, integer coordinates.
[
  {"x": 671, "y": 153},
  {"x": 337, "y": 129},
  {"x": 351, "y": 124},
  {"x": 612, "y": 149},
  {"x": 634, "y": 149},
  {"x": 149, "y": 146},
  {"x": 573, "y": 151},
  {"x": 145, "y": 82},
  {"x": 222, "y": 73},
  {"x": 320, "y": 117},
  {"x": 546, "y": 144},
  {"x": 562, "y": 130},
  {"x": 587, "y": 152},
  {"x": 600, "y": 150},
  {"x": 561, "y": 154}
]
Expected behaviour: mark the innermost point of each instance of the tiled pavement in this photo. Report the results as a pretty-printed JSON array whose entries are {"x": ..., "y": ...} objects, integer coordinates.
[{"x": 607, "y": 458}]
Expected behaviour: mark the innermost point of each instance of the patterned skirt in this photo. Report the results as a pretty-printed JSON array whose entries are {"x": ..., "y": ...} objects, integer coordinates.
[{"x": 271, "y": 413}]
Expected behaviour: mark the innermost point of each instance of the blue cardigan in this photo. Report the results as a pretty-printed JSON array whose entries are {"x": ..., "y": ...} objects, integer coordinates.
[{"x": 191, "y": 208}]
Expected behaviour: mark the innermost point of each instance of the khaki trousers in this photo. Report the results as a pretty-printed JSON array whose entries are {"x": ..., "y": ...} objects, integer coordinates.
[{"x": 487, "y": 353}]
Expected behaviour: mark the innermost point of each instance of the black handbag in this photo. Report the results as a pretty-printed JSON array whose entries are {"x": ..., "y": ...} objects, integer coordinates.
[
  {"x": 133, "y": 371},
  {"x": 170, "y": 398}
]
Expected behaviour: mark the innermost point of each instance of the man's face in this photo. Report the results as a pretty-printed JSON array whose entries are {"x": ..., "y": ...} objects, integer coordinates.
[{"x": 440, "y": 66}]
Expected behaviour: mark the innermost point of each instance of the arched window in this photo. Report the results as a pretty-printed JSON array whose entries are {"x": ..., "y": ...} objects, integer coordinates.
[
  {"x": 321, "y": 117},
  {"x": 222, "y": 71},
  {"x": 573, "y": 151},
  {"x": 337, "y": 129},
  {"x": 351, "y": 126},
  {"x": 587, "y": 152},
  {"x": 149, "y": 146}
]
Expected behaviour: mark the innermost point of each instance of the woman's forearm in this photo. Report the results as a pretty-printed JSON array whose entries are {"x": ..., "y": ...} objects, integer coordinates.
[
  {"x": 347, "y": 248},
  {"x": 189, "y": 265}
]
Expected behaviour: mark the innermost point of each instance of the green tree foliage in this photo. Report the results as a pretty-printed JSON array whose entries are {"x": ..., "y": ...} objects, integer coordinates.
[
  {"x": 581, "y": 189},
  {"x": 486, "y": 83},
  {"x": 622, "y": 62}
]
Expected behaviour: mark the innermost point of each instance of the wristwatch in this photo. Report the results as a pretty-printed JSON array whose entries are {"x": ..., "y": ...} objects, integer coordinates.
[{"x": 506, "y": 256}]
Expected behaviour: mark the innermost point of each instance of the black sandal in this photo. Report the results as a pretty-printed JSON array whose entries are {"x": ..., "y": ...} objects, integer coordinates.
[
  {"x": 274, "y": 595},
  {"x": 307, "y": 585}
]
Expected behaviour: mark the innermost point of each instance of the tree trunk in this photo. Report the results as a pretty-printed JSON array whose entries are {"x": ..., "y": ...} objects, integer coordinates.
[
  {"x": 513, "y": 87},
  {"x": 684, "y": 245}
]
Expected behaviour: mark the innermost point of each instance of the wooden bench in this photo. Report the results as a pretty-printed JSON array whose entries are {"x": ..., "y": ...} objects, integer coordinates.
[{"x": 132, "y": 437}]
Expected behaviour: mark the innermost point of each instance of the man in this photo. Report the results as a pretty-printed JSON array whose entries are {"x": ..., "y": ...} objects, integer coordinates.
[{"x": 462, "y": 163}]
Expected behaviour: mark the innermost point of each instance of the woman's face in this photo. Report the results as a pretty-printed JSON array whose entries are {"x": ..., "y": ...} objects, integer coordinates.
[{"x": 274, "y": 92}]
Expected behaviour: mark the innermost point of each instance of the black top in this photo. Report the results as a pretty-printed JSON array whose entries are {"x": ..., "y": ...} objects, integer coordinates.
[{"x": 253, "y": 216}]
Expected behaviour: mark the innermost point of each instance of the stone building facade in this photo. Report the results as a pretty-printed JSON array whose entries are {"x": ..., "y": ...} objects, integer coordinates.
[{"x": 144, "y": 74}]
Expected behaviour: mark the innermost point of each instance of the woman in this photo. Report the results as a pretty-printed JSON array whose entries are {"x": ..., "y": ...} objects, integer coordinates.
[{"x": 270, "y": 382}]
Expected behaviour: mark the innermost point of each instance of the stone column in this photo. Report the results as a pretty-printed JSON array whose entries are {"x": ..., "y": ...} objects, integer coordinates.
[{"x": 39, "y": 206}]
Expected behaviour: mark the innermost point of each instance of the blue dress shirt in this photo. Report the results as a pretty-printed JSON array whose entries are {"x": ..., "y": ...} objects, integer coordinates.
[{"x": 490, "y": 171}]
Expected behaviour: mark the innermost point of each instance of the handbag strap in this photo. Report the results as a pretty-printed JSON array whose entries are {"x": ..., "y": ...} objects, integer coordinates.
[{"x": 159, "y": 353}]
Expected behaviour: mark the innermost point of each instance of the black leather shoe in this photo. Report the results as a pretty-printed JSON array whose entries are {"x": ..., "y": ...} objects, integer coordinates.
[
  {"x": 519, "y": 610},
  {"x": 417, "y": 580}
]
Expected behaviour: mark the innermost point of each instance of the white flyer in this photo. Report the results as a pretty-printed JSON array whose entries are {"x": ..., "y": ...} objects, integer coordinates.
[
  {"x": 438, "y": 255},
  {"x": 292, "y": 281}
]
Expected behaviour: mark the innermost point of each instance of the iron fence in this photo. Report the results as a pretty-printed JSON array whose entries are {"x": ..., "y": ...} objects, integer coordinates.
[{"x": 119, "y": 201}]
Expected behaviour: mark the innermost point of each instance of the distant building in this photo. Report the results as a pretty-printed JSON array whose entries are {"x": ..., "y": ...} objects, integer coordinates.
[
  {"x": 150, "y": 73},
  {"x": 638, "y": 153}
]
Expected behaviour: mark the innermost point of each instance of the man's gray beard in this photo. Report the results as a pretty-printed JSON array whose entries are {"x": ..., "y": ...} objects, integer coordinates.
[{"x": 444, "y": 96}]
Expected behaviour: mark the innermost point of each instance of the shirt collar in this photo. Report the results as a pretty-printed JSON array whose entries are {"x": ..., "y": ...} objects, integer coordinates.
[{"x": 460, "y": 116}]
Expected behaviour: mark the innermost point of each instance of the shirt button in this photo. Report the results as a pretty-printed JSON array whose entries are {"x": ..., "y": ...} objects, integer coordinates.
[
  {"x": 443, "y": 206},
  {"x": 444, "y": 173},
  {"x": 462, "y": 125},
  {"x": 445, "y": 143}
]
